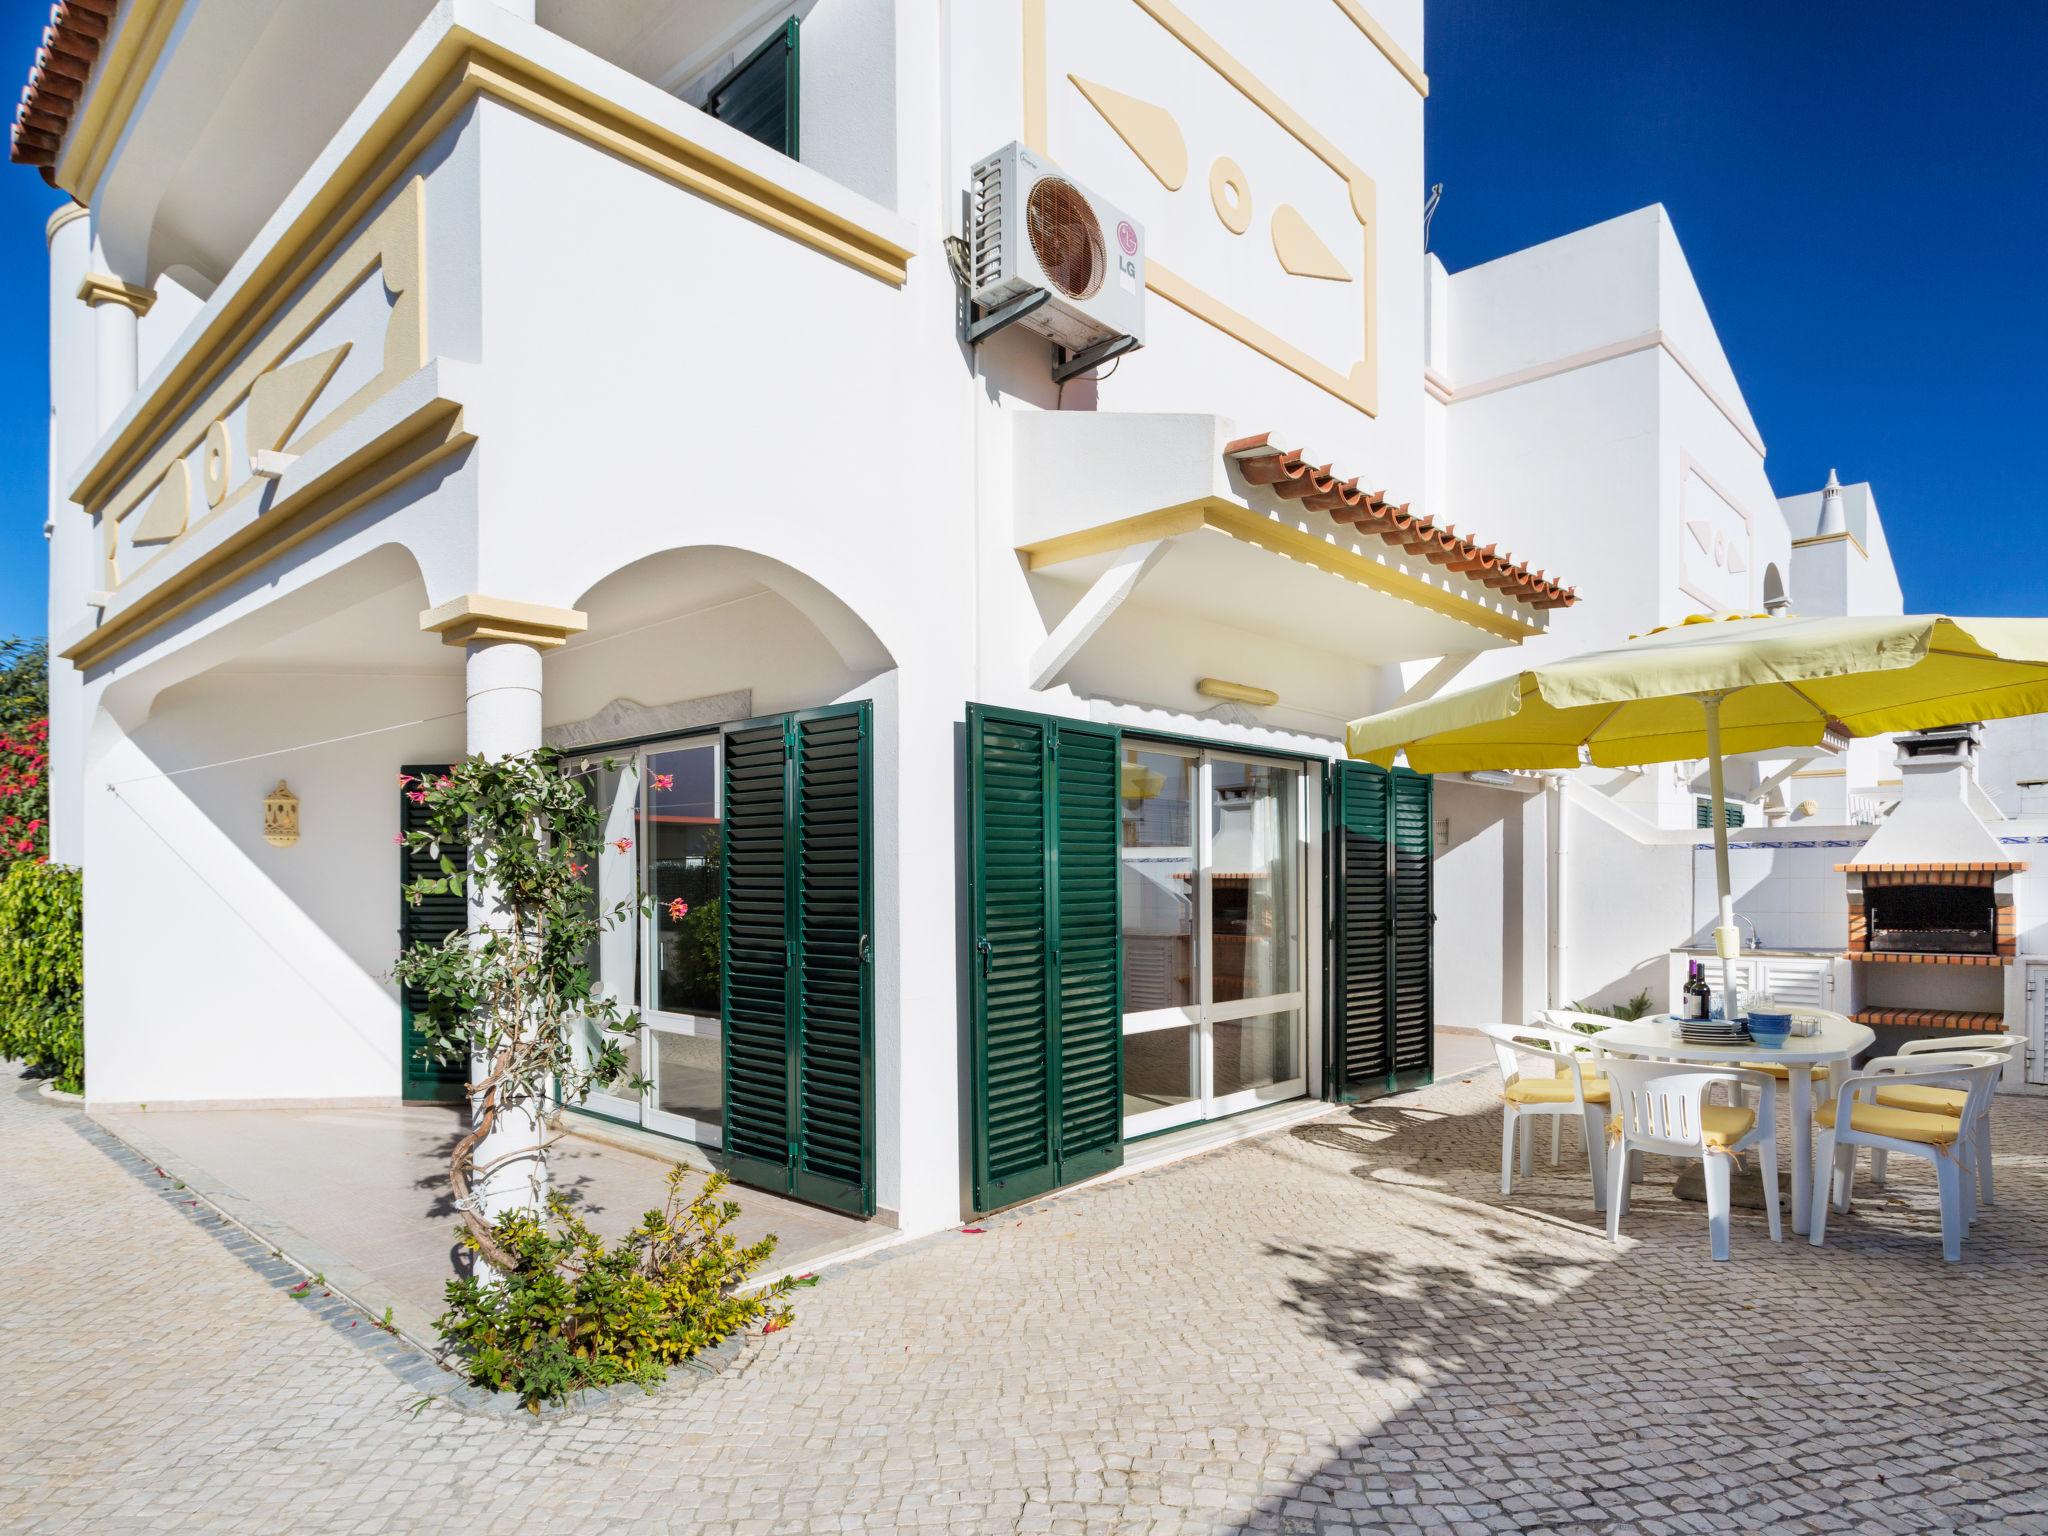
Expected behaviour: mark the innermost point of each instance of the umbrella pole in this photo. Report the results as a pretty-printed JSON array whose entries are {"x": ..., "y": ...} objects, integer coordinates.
[{"x": 1727, "y": 937}]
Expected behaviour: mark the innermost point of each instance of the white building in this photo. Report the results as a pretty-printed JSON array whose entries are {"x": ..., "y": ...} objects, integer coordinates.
[{"x": 432, "y": 377}]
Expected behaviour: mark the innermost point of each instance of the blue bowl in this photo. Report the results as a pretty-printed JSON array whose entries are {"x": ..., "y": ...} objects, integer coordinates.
[{"x": 1771, "y": 1030}]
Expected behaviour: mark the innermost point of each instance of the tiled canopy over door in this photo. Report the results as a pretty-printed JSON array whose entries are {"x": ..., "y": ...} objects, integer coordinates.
[
  {"x": 798, "y": 976},
  {"x": 1047, "y": 962},
  {"x": 1381, "y": 1017},
  {"x": 428, "y": 923}
]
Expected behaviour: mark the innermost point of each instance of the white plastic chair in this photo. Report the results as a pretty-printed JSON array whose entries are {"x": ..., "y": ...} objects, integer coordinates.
[
  {"x": 1659, "y": 1107},
  {"x": 1855, "y": 1119},
  {"x": 1948, "y": 1101},
  {"x": 1566, "y": 1020},
  {"x": 1565, "y": 1086}
]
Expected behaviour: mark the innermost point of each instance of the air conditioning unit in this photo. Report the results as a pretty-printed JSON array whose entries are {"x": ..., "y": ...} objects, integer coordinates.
[{"x": 1032, "y": 228}]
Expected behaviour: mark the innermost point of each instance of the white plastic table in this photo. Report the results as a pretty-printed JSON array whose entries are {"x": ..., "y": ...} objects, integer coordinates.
[{"x": 1656, "y": 1039}]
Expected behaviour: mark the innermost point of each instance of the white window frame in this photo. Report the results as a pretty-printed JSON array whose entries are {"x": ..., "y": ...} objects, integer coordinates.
[{"x": 1206, "y": 1012}]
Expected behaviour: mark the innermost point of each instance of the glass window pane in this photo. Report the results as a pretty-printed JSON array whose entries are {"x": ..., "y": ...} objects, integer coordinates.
[
  {"x": 613, "y": 879},
  {"x": 1257, "y": 1052},
  {"x": 680, "y": 831},
  {"x": 687, "y": 1076},
  {"x": 1161, "y": 1067},
  {"x": 1255, "y": 884},
  {"x": 1158, "y": 876}
]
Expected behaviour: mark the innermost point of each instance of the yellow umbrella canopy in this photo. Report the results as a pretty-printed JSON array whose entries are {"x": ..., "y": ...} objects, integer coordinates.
[
  {"x": 1781, "y": 682},
  {"x": 1708, "y": 687}
]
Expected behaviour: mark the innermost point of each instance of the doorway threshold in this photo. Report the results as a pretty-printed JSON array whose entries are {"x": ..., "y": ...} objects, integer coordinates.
[{"x": 1161, "y": 1148}]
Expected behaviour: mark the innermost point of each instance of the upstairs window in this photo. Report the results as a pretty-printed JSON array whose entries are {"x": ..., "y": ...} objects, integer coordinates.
[
  {"x": 1703, "y": 813},
  {"x": 760, "y": 96}
]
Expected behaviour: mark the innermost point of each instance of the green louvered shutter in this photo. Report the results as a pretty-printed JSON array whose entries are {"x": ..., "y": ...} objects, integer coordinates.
[
  {"x": 757, "y": 979},
  {"x": 1361, "y": 1053},
  {"x": 834, "y": 1006},
  {"x": 1009, "y": 785},
  {"x": 798, "y": 974},
  {"x": 1413, "y": 1011},
  {"x": 428, "y": 923},
  {"x": 1089, "y": 1084},
  {"x": 760, "y": 96},
  {"x": 1047, "y": 961}
]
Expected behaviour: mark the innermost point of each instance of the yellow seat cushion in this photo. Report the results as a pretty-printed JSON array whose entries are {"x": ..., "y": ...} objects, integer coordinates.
[
  {"x": 1722, "y": 1125},
  {"x": 1782, "y": 1072},
  {"x": 1929, "y": 1101},
  {"x": 1554, "y": 1090},
  {"x": 1899, "y": 1124}
]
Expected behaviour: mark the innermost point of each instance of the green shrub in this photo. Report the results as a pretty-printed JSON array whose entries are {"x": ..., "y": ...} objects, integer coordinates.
[
  {"x": 42, "y": 971},
  {"x": 577, "y": 1314},
  {"x": 1634, "y": 1008}
]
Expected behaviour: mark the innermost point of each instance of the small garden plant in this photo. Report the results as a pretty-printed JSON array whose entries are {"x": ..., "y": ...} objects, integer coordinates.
[
  {"x": 575, "y": 1313},
  {"x": 42, "y": 971},
  {"x": 551, "y": 1309}
]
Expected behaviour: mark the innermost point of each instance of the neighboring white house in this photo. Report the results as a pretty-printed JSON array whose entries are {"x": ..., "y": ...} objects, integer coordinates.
[{"x": 432, "y": 377}]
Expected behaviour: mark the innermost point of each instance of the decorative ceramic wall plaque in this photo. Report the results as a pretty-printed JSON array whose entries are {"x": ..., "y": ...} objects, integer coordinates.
[{"x": 281, "y": 817}]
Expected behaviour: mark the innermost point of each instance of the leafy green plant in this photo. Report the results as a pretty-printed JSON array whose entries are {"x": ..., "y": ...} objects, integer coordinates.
[
  {"x": 510, "y": 992},
  {"x": 573, "y": 1313},
  {"x": 1635, "y": 1008},
  {"x": 42, "y": 970}
]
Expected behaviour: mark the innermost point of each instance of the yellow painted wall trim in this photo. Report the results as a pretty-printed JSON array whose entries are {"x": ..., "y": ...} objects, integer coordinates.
[
  {"x": 1383, "y": 40},
  {"x": 97, "y": 288},
  {"x": 1833, "y": 538},
  {"x": 1300, "y": 250},
  {"x": 116, "y": 85},
  {"x": 1359, "y": 387},
  {"x": 1150, "y": 131},
  {"x": 1279, "y": 538},
  {"x": 473, "y": 616},
  {"x": 408, "y": 448},
  {"x": 462, "y": 69}
]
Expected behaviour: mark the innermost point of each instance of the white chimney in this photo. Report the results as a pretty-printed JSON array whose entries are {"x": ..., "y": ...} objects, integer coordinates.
[
  {"x": 1831, "y": 518},
  {"x": 1933, "y": 822}
]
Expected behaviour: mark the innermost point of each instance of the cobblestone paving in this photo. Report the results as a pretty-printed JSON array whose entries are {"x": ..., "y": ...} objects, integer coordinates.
[{"x": 1340, "y": 1326}]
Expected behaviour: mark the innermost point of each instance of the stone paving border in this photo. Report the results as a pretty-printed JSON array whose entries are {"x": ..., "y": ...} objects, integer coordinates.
[{"x": 284, "y": 1259}]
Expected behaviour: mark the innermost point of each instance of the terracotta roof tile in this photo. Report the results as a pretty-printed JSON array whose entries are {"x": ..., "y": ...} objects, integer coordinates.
[
  {"x": 1288, "y": 474},
  {"x": 57, "y": 80}
]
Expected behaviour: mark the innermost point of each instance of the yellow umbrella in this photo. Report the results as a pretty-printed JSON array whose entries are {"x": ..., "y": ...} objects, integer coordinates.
[{"x": 1748, "y": 683}]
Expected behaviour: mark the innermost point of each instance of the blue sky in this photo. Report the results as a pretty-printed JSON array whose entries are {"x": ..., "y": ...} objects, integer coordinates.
[
  {"x": 1859, "y": 189},
  {"x": 1862, "y": 192}
]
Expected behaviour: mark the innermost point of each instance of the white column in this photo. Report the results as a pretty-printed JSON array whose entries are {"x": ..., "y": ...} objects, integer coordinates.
[
  {"x": 504, "y": 714},
  {"x": 116, "y": 327}
]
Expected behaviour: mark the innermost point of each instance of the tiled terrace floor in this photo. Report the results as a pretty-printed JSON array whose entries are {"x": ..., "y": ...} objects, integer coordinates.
[
  {"x": 362, "y": 1196},
  {"x": 1339, "y": 1325}
]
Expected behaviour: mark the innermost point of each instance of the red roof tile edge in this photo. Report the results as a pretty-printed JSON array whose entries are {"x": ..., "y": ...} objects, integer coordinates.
[
  {"x": 1289, "y": 475},
  {"x": 57, "y": 80}
]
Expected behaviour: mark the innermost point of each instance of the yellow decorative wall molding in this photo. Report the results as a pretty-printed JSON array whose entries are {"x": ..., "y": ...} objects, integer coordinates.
[
  {"x": 1301, "y": 249},
  {"x": 473, "y": 617},
  {"x": 461, "y": 69},
  {"x": 1236, "y": 693},
  {"x": 1357, "y": 385},
  {"x": 409, "y": 447},
  {"x": 279, "y": 399},
  {"x": 389, "y": 251},
  {"x": 1383, "y": 40},
  {"x": 97, "y": 288},
  {"x": 118, "y": 77},
  {"x": 1154, "y": 137},
  {"x": 1231, "y": 194},
  {"x": 1278, "y": 538},
  {"x": 216, "y": 462},
  {"x": 170, "y": 509}
]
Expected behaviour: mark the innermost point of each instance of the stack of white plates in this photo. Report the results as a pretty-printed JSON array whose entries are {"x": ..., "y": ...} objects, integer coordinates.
[{"x": 1713, "y": 1032}]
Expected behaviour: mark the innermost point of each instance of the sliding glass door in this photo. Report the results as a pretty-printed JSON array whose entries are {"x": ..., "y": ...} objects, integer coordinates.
[
  {"x": 661, "y": 856},
  {"x": 1212, "y": 899}
]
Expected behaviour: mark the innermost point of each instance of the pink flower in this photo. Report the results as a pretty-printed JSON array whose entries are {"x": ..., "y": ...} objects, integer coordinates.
[
  {"x": 624, "y": 845},
  {"x": 404, "y": 779},
  {"x": 443, "y": 782},
  {"x": 664, "y": 781},
  {"x": 577, "y": 869},
  {"x": 678, "y": 910},
  {"x": 416, "y": 796},
  {"x": 398, "y": 837}
]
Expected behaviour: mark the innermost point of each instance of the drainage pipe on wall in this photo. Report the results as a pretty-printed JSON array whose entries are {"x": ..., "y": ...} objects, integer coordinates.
[{"x": 1556, "y": 803}]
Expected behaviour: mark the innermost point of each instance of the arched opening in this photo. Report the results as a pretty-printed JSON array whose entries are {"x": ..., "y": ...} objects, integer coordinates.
[{"x": 1775, "y": 600}]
